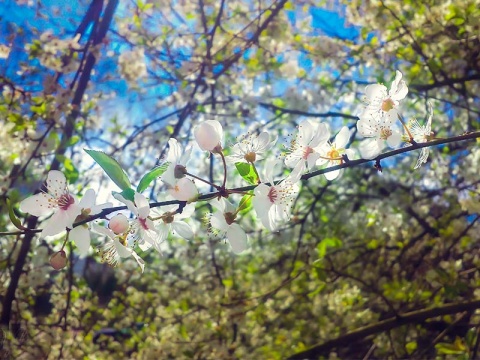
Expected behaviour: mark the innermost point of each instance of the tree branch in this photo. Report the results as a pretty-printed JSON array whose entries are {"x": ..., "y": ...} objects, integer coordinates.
[{"x": 385, "y": 325}]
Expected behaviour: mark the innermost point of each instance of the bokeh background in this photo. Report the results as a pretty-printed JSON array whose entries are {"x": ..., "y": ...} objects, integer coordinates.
[{"x": 394, "y": 254}]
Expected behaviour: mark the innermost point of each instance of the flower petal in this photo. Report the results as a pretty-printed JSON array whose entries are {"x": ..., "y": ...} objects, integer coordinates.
[
  {"x": 56, "y": 183},
  {"x": 81, "y": 236},
  {"x": 370, "y": 148},
  {"x": 56, "y": 224},
  {"x": 88, "y": 199},
  {"x": 237, "y": 238},
  {"x": 395, "y": 139},
  {"x": 218, "y": 221},
  {"x": 38, "y": 205},
  {"x": 342, "y": 138},
  {"x": 332, "y": 175},
  {"x": 103, "y": 231},
  {"x": 182, "y": 229},
  {"x": 130, "y": 205}
]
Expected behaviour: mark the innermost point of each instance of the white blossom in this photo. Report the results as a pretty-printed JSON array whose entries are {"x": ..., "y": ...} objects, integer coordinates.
[
  {"x": 422, "y": 134},
  {"x": 273, "y": 203},
  {"x": 252, "y": 148},
  {"x": 81, "y": 234},
  {"x": 223, "y": 221},
  {"x": 117, "y": 247},
  {"x": 303, "y": 154},
  {"x": 172, "y": 222},
  {"x": 382, "y": 102},
  {"x": 58, "y": 200},
  {"x": 142, "y": 228},
  {"x": 331, "y": 153}
]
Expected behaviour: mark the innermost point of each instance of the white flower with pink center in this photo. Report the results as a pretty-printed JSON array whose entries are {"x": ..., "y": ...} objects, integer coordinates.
[
  {"x": 273, "y": 203},
  {"x": 57, "y": 200},
  {"x": 303, "y": 154},
  {"x": 142, "y": 229}
]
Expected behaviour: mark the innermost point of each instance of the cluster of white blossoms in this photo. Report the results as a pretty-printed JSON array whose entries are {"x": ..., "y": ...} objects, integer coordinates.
[
  {"x": 56, "y": 54},
  {"x": 272, "y": 194},
  {"x": 378, "y": 121},
  {"x": 132, "y": 65}
]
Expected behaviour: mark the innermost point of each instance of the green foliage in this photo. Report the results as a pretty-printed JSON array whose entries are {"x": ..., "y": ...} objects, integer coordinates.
[
  {"x": 111, "y": 167},
  {"x": 150, "y": 176},
  {"x": 247, "y": 172}
]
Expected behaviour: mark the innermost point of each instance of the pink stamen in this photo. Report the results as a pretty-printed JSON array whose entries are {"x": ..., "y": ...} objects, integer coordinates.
[
  {"x": 65, "y": 200},
  {"x": 272, "y": 194},
  {"x": 308, "y": 150}
]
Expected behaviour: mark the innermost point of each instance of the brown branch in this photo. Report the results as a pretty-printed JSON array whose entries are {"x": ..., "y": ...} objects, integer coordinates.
[
  {"x": 307, "y": 176},
  {"x": 385, "y": 325}
]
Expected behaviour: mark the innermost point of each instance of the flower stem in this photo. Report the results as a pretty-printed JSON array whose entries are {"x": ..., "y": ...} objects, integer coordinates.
[
  {"x": 203, "y": 180},
  {"x": 224, "y": 169},
  {"x": 412, "y": 141},
  {"x": 66, "y": 239}
]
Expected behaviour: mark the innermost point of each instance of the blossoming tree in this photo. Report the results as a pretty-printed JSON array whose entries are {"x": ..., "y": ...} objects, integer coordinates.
[{"x": 255, "y": 192}]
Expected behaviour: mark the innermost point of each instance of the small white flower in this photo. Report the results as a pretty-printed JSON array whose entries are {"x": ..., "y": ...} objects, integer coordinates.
[
  {"x": 209, "y": 135},
  {"x": 81, "y": 234},
  {"x": 252, "y": 148},
  {"x": 224, "y": 222},
  {"x": 57, "y": 200},
  {"x": 422, "y": 134},
  {"x": 117, "y": 247},
  {"x": 273, "y": 203},
  {"x": 381, "y": 102},
  {"x": 171, "y": 222},
  {"x": 303, "y": 154},
  {"x": 380, "y": 130},
  {"x": 184, "y": 190},
  {"x": 142, "y": 229},
  {"x": 331, "y": 153}
]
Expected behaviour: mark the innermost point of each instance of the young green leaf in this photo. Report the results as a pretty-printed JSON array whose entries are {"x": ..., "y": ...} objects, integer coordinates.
[
  {"x": 247, "y": 172},
  {"x": 128, "y": 194},
  {"x": 150, "y": 176},
  {"x": 13, "y": 218},
  {"x": 245, "y": 204},
  {"x": 111, "y": 167}
]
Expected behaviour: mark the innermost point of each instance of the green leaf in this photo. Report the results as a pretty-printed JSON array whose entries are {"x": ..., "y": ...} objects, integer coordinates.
[
  {"x": 247, "y": 171},
  {"x": 411, "y": 347},
  {"x": 325, "y": 244},
  {"x": 150, "y": 176},
  {"x": 13, "y": 218},
  {"x": 111, "y": 167},
  {"x": 245, "y": 204},
  {"x": 71, "y": 172},
  {"x": 128, "y": 194}
]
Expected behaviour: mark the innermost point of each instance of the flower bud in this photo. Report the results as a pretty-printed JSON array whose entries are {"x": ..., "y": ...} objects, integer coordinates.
[
  {"x": 119, "y": 224},
  {"x": 58, "y": 260},
  {"x": 209, "y": 135}
]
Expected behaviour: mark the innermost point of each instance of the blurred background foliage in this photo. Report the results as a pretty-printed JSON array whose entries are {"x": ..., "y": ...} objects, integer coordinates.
[{"x": 362, "y": 251}]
